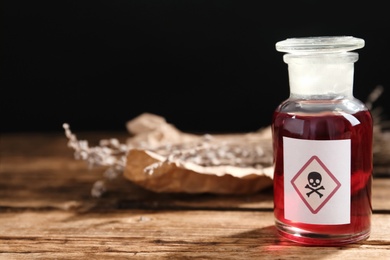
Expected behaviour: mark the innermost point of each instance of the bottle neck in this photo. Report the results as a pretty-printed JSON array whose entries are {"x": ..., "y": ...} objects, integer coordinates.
[{"x": 321, "y": 76}]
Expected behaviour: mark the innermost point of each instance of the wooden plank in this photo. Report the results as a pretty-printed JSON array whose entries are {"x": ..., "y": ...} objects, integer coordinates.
[{"x": 163, "y": 234}]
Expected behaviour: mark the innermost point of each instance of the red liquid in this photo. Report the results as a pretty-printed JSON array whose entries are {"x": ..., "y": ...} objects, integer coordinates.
[{"x": 329, "y": 126}]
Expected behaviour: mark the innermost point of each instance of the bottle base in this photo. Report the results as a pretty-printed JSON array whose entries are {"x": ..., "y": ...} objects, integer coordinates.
[{"x": 306, "y": 237}]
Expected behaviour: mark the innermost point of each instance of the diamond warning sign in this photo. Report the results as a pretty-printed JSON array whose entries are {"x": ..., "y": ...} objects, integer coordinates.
[{"x": 315, "y": 184}]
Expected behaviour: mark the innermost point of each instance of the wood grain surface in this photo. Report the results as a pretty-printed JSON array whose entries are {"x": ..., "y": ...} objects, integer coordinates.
[{"x": 47, "y": 212}]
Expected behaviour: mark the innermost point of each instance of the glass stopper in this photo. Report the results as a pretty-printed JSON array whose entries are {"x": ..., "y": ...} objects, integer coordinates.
[{"x": 320, "y": 44}]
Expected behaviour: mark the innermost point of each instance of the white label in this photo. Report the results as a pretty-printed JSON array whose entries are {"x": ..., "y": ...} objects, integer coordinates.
[{"x": 317, "y": 181}]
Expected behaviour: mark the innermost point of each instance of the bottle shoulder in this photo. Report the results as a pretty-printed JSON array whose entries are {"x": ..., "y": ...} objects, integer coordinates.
[
  {"x": 330, "y": 120},
  {"x": 315, "y": 106}
]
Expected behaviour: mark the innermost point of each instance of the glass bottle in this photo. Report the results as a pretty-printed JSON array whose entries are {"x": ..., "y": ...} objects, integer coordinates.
[{"x": 322, "y": 141}]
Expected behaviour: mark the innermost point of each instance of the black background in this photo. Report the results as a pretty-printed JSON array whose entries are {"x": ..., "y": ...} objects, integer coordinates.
[{"x": 206, "y": 66}]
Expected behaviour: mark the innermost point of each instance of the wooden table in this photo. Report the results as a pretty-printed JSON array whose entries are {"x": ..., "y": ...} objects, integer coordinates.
[{"x": 47, "y": 212}]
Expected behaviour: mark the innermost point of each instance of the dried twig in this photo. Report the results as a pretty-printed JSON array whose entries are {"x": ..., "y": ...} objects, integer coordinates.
[
  {"x": 109, "y": 153},
  {"x": 381, "y": 145}
]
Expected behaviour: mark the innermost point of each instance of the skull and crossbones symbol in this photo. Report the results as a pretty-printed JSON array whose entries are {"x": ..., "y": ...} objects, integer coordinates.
[{"x": 314, "y": 179}]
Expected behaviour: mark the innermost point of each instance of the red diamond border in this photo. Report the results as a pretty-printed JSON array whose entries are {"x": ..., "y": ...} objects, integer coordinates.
[{"x": 338, "y": 184}]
